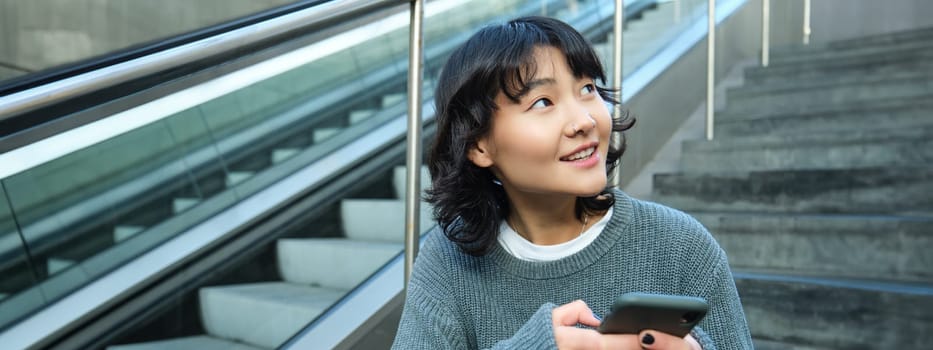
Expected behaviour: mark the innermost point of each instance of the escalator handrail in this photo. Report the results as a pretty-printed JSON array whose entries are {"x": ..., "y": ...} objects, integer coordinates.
[
  {"x": 225, "y": 43},
  {"x": 33, "y": 154},
  {"x": 34, "y": 79}
]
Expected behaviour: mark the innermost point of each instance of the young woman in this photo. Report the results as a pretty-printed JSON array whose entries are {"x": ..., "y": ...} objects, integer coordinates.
[{"x": 532, "y": 244}]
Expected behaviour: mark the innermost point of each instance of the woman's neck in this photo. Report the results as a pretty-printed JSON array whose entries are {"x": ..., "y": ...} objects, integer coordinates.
[{"x": 545, "y": 219}]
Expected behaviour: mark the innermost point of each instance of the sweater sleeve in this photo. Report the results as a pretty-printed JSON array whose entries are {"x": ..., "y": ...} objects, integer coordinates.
[
  {"x": 724, "y": 326},
  {"x": 433, "y": 319},
  {"x": 537, "y": 333},
  {"x": 701, "y": 337},
  {"x": 427, "y": 323}
]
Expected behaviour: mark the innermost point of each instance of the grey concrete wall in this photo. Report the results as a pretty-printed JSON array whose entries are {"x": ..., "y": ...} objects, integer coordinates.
[
  {"x": 663, "y": 105},
  {"x": 38, "y": 34},
  {"x": 846, "y": 19}
]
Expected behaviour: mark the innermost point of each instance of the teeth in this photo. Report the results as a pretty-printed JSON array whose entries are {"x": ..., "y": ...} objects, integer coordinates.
[{"x": 582, "y": 154}]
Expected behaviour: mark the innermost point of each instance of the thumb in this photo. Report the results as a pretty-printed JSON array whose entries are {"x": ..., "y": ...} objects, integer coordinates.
[
  {"x": 648, "y": 340},
  {"x": 651, "y": 339}
]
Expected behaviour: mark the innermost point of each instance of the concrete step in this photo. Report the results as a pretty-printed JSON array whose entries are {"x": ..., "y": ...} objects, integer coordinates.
[
  {"x": 184, "y": 203},
  {"x": 900, "y": 113},
  {"x": 200, "y": 342},
  {"x": 889, "y": 248},
  {"x": 865, "y": 148},
  {"x": 879, "y": 64},
  {"x": 231, "y": 312},
  {"x": 883, "y": 67},
  {"x": 795, "y": 98},
  {"x": 379, "y": 220},
  {"x": 649, "y": 34},
  {"x": 124, "y": 232},
  {"x": 918, "y": 35},
  {"x": 332, "y": 262},
  {"x": 646, "y": 31},
  {"x": 235, "y": 177},
  {"x": 916, "y": 49},
  {"x": 399, "y": 176},
  {"x": 281, "y": 154},
  {"x": 663, "y": 11},
  {"x": 836, "y": 313},
  {"x": 902, "y": 190}
]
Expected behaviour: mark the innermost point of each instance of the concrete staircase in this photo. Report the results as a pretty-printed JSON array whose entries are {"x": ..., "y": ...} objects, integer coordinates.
[
  {"x": 316, "y": 272},
  {"x": 645, "y": 36},
  {"x": 820, "y": 189}
]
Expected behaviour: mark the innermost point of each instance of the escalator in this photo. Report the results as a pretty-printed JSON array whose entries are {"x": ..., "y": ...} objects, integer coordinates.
[{"x": 246, "y": 205}]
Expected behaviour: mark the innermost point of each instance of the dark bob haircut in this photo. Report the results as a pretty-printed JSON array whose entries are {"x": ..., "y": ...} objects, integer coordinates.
[{"x": 468, "y": 204}]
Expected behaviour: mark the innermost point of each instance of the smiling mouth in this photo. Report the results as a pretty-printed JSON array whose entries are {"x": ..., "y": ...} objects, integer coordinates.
[{"x": 584, "y": 154}]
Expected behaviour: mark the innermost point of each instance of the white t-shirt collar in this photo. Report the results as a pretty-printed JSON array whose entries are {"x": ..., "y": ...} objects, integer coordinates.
[{"x": 521, "y": 248}]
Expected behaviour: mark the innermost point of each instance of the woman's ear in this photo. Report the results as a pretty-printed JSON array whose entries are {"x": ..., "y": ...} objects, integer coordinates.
[{"x": 479, "y": 154}]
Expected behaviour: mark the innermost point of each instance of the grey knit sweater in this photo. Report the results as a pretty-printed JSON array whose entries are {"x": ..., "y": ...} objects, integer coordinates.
[{"x": 457, "y": 301}]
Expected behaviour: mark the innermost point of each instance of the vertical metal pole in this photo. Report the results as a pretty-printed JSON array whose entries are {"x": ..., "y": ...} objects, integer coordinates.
[
  {"x": 806, "y": 22},
  {"x": 710, "y": 68},
  {"x": 765, "y": 31},
  {"x": 413, "y": 154},
  {"x": 619, "y": 22}
]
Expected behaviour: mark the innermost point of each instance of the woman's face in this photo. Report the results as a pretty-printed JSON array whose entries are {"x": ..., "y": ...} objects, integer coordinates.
[{"x": 555, "y": 139}]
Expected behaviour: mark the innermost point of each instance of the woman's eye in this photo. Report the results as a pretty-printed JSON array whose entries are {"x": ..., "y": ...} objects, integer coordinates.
[
  {"x": 588, "y": 89},
  {"x": 541, "y": 103}
]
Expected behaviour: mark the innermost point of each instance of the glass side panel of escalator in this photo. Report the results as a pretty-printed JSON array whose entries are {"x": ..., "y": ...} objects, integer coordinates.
[
  {"x": 39, "y": 35},
  {"x": 84, "y": 213}
]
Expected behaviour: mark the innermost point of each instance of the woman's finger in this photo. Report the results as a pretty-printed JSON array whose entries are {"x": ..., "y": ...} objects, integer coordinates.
[
  {"x": 651, "y": 339},
  {"x": 620, "y": 342},
  {"x": 579, "y": 338},
  {"x": 572, "y": 313}
]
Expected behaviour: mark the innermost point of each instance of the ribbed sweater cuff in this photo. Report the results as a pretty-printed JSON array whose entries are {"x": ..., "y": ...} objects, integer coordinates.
[
  {"x": 704, "y": 339},
  {"x": 537, "y": 333}
]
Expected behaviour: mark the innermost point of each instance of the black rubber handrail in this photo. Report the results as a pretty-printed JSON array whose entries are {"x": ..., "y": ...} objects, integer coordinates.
[{"x": 37, "y": 99}]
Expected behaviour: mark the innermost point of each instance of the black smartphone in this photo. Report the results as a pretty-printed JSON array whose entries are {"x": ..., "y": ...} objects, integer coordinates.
[{"x": 672, "y": 314}]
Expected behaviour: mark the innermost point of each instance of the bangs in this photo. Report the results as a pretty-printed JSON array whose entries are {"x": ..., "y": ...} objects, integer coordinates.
[{"x": 518, "y": 64}]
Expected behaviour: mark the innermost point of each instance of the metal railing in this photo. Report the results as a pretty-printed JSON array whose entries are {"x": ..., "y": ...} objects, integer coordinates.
[
  {"x": 765, "y": 51},
  {"x": 413, "y": 152},
  {"x": 710, "y": 68}
]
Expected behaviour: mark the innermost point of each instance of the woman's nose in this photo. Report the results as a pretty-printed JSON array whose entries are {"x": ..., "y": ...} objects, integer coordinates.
[{"x": 581, "y": 126}]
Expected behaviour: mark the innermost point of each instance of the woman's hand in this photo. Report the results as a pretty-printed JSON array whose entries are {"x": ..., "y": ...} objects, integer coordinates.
[{"x": 567, "y": 336}]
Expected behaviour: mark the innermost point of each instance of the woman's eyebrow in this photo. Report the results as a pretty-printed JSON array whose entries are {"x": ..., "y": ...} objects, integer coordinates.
[{"x": 534, "y": 84}]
